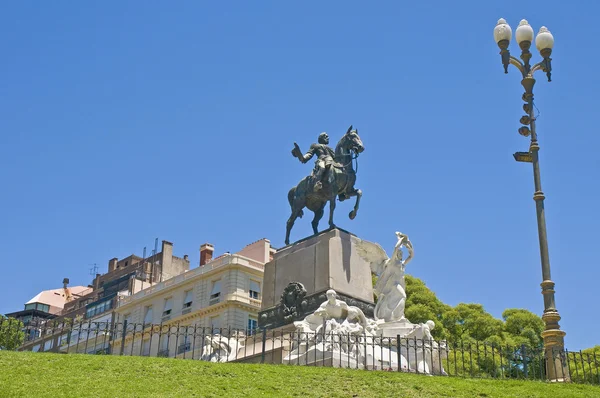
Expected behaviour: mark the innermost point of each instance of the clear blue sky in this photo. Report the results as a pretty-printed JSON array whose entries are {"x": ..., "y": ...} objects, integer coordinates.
[{"x": 126, "y": 121}]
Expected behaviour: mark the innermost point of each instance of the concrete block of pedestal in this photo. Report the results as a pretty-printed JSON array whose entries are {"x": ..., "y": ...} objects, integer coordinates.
[{"x": 316, "y": 264}]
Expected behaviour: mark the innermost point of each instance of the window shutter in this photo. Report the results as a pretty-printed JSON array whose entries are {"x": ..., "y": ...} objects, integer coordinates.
[
  {"x": 148, "y": 317},
  {"x": 216, "y": 287},
  {"x": 189, "y": 297},
  {"x": 168, "y": 304}
]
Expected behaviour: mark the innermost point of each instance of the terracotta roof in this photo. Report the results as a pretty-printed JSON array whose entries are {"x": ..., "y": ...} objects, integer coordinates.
[
  {"x": 256, "y": 241},
  {"x": 55, "y": 297}
]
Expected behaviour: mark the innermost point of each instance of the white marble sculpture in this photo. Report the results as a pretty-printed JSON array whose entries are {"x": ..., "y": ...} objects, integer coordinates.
[
  {"x": 343, "y": 335},
  {"x": 390, "y": 288},
  {"x": 426, "y": 352},
  {"x": 219, "y": 348},
  {"x": 337, "y": 314},
  {"x": 340, "y": 335},
  {"x": 335, "y": 332}
]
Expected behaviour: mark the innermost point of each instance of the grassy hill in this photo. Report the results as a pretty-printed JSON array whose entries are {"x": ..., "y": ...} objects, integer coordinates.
[{"x": 55, "y": 375}]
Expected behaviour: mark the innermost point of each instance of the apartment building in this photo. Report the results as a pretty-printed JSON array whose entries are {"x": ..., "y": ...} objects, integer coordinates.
[
  {"x": 223, "y": 292},
  {"x": 89, "y": 315},
  {"x": 47, "y": 304}
]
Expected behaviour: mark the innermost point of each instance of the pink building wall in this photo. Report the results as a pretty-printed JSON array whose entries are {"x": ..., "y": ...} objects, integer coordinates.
[{"x": 258, "y": 250}]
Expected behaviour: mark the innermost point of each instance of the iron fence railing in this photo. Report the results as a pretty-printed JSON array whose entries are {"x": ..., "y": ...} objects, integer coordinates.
[{"x": 457, "y": 359}]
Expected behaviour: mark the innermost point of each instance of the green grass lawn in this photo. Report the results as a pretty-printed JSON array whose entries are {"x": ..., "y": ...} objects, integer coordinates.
[{"x": 55, "y": 375}]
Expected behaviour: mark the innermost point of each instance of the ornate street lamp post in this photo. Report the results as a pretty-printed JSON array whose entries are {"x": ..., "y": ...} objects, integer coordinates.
[{"x": 556, "y": 366}]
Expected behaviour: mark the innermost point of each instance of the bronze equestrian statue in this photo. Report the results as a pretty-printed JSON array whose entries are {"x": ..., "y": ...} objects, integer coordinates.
[{"x": 333, "y": 176}]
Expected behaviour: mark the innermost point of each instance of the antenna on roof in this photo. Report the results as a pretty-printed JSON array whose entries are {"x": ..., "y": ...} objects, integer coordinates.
[
  {"x": 94, "y": 270},
  {"x": 152, "y": 268}
]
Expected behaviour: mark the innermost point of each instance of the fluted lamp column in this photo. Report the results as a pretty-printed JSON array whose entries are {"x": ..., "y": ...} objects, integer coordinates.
[{"x": 553, "y": 336}]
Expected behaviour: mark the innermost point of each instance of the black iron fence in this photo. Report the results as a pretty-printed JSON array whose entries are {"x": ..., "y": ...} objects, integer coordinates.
[{"x": 330, "y": 348}]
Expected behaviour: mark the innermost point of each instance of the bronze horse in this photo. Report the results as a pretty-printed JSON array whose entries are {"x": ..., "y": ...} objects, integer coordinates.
[{"x": 338, "y": 182}]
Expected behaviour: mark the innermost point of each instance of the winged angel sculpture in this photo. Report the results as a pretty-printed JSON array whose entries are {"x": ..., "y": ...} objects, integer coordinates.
[{"x": 390, "y": 288}]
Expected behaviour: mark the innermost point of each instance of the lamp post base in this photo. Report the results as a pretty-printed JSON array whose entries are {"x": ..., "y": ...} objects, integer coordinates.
[{"x": 557, "y": 369}]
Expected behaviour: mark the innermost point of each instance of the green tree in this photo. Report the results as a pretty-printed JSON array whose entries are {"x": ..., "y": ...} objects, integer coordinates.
[
  {"x": 584, "y": 366},
  {"x": 472, "y": 321},
  {"x": 486, "y": 346},
  {"x": 422, "y": 305},
  {"x": 523, "y": 327},
  {"x": 469, "y": 323},
  {"x": 11, "y": 333}
]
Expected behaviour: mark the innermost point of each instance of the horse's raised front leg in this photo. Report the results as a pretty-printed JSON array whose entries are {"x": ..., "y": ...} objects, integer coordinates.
[{"x": 358, "y": 194}]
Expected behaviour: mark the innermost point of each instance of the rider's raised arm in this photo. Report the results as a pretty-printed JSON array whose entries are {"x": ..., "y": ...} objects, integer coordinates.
[{"x": 309, "y": 154}]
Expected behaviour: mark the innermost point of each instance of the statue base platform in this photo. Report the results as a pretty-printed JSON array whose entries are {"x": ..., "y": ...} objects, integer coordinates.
[
  {"x": 383, "y": 358},
  {"x": 296, "y": 280},
  {"x": 400, "y": 328}
]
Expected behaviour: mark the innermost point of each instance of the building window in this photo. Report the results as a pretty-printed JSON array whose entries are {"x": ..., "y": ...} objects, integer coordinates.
[
  {"x": 252, "y": 324},
  {"x": 254, "y": 291},
  {"x": 36, "y": 348},
  {"x": 168, "y": 307},
  {"x": 215, "y": 293},
  {"x": 38, "y": 306},
  {"x": 188, "y": 298},
  {"x": 127, "y": 318},
  {"x": 33, "y": 334},
  {"x": 48, "y": 345},
  {"x": 185, "y": 345},
  {"x": 62, "y": 340},
  {"x": 98, "y": 309},
  {"x": 163, "y": 350},
  {"x": 148, "y": 315}
]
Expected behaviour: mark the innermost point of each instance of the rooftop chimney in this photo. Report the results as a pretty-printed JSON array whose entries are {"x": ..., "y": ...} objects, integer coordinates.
[
  {"x": 66, "y": 290},
  {"x": 96, "y": 282},
  {"x": 112, "y": 264},
  {"x": 206, "y": 253}
]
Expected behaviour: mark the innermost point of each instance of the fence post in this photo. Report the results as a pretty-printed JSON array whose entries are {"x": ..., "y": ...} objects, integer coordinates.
[
  {"x": 524, "y": 352},
  {"x": 398, "y": 355},
  {"x": 582, "y": 364},
  {"x": 596, "y": 366},
  {"x": 123, "y": 334},
  {"x": 264, "y": 345}
]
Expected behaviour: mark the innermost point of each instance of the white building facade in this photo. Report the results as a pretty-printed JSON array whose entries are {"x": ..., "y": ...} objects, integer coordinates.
[{"x": 170, "y": 318}]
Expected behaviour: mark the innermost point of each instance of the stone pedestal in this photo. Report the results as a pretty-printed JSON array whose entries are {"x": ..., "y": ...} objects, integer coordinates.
[
  {"x": 296, "y": 280},
  {"x": 396, "y": 328}
]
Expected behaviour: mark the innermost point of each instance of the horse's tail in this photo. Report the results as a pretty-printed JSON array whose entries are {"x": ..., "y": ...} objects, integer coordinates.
[{"x": 291, "y": 195}]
